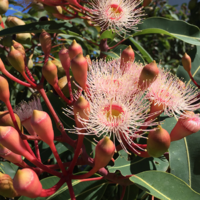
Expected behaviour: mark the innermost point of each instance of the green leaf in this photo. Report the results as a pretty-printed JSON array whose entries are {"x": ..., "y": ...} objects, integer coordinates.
[
  {"x": 36, "y": 27},
  {"x": 144, "y": 53},
  {"x": 164, "y": 186},
  {"x": 175, "y": 28},
  {"x": 83, "y": 190},
  {"x": 138, "y": 164},
  {"x": 107, "y": 34},
  {"x": 8, "y": 168}
]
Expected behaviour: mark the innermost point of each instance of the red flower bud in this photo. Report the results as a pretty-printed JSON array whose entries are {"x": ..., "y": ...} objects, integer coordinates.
[
  {"x": 158, "y": 142},
  {"x": 19, "y": 47},
  {"x": 16, "y": 59},
  {"x": 186, "y": 62},
  {"x": 42, "y": 125},
  {"x": 104, "y": 151},
  {"x": 148, "y": 75},
  {"x": 79, "y": 68},
  {"x": 4, "y": 89},
  {"x": 49, "y": 71},
  {"x": 74, "y": 49},
  {"x": 64, "y": 58},
  {"x": 45, "y": 40},
  {"x": 185, "y": 126},
  {"x": 27, "y": 183},
  {"x": 81, "y": 109}
]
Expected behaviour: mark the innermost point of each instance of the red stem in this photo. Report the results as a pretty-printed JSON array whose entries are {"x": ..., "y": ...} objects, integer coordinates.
[
  {"x": 29, "y": 74},
  {"x": 28, "y": 80},
  {"x": 52, "y": 190},
  {"x": 193, "y": 80},
  {"x": 71, "y": 191},
  {"x": 59, "y": 124},
  {"x": 123, "y": 193},
  {"x": 10, "y": 76},
  {"x": 92, "y": 179},
  {"x": 60, "y": 93},
  {"x": 83, "y": 176},
  {"x": 8, "y": 105},
  {"x": 69, "y": 85},
  {"x": 54, "y": 150},
  {"x": 37, "y": 150},
  {"x": 76, "y": 154}
]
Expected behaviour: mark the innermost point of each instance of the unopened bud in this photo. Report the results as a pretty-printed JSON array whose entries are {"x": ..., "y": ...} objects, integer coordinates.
[
  {"x": 104, "y": 151},
  {"x": 186, "y": 62},
  {"x": 11, "y": 156},
  {"x": 53, "y": 10},
  {"x": 10, "y": 138},
  {"x": 42, "y": 125},
  {"x": 16, "y": 59},
  {"x": 27, "y": 183},
  {"x": 49, "y": 71},
  {"x": 14, "y": 21},
  {"x": 148, "y": 75},
  {"x": 158, "y": 142},
  {"x": 45, "y": 40},
  {"x": 185, "y": 126},
  {"x": 127, "y": 55},
  {"x": 79, "y": 68},
  {"x": 30, "y": 62},
  {"x": 2, "y": 66},
  {"x": 6, "y": 120},
  {"x": 74, "y": 49},
  {"x": 24, "y": 38},
  {"x": 4, "y": 90},
  {"x": 19, "y": 47},
  {"x": 64, "y": 58},
  {"x": 6, "y": 186},
  {"x": 81, "y": 109},
  {"x": 60, "y": 69},
  {"x": 4, "y": 4}
]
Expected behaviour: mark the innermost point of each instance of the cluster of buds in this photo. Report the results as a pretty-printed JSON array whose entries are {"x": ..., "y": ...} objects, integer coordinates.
[{"x": 119, "y": 99}]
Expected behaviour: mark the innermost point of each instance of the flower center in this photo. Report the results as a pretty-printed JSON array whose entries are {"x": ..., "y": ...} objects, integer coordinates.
[
  {"x": 113, "y": 112},
  {"x": 114, "y": 12}
]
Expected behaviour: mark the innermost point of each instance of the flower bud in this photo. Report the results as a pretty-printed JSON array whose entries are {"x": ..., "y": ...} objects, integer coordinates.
[
  {"x": 53, "y": 10},
  {"x": 4, "y": 89},
  {"x": 62, "y": 83},
  {"x": 45, "y": 40},
  {"x": 19, "y": 47},
  {"x": 60, "y": 69},
  {"x": 30, "y": 62},
  {"x": 4, "y": 4},
  {"x": 185, "y": 126},
  {"x": 6, "y": 186},
  {"x": 10, "y": 138},
  {"x": 104, "y": 151},
  {"x": 16, "y": 59},
  {"x": 74, "y": 49},
  {"x": 27, "y": 183},
  {"x": 6, "y": 120},
  {"x": 49, "y": 71},
  {"x": 1, "y": 20},
  {"x": 64, "y": 58},
  {"x": 158, "y": 142},
  {"x": 148, "y": 75},
  {"x": 81, "y": 109},
  {"x": 24, "y": 38},
  {"x": 127, "y": 55},
  {"x": 42, "y": 125},
  {"x": 146, "y": 3},
  {"x": 14, "y": 21},
  {"x": 186, "y": 62},
  {"x": 79, "y": 68},
  {"x": 11, "y": 156}
]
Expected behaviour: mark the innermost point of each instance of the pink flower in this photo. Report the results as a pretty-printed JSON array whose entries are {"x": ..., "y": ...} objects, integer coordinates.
[
  {"x": 117, "y": 15},
  {"x": 172, "y": 95},
  {"x": 107, "y": 77},
  {"x": 115, "y": 115}
]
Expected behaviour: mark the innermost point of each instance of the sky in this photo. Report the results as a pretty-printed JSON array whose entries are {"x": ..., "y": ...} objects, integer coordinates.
[{"x": 171, "y": 2}]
